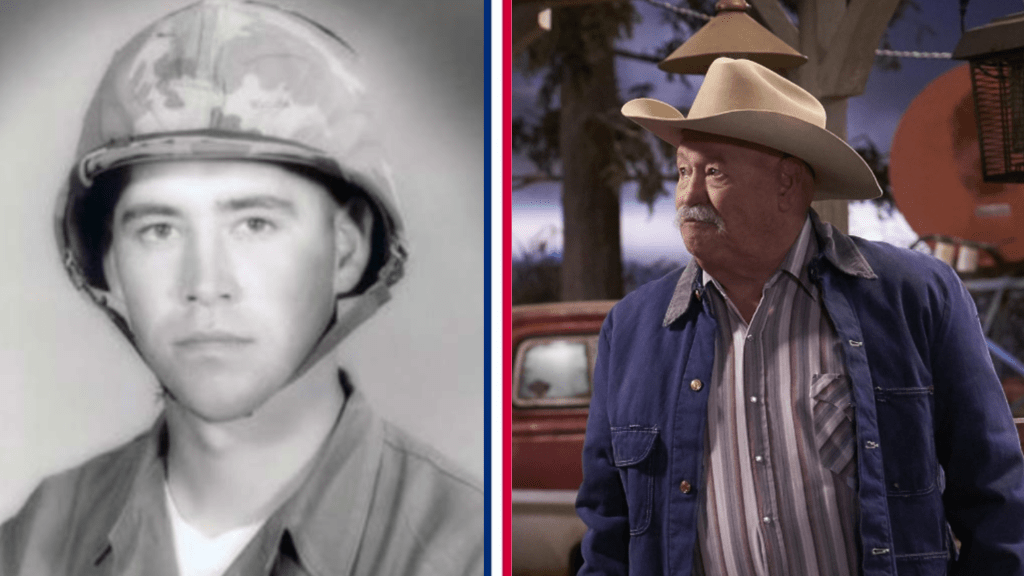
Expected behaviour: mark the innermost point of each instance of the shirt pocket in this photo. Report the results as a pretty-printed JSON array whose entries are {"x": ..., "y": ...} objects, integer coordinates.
[
  {"x": 832, "y": 415},
  {"x": 632, "y": 449},
  {"x": 905, "y": 433}
]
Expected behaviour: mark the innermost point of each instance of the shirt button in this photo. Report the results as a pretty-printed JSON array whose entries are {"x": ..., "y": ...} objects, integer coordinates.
[
  {"x": 685, "y": 487},
  {"x": 766, "y": 520},
  {"x": 696, "y": 385},
  {"x": 758, "y": 458},
  {"x": 753, "y": 399}
]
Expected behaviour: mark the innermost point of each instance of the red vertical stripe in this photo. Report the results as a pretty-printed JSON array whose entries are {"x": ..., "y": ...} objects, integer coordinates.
[{"x": 506, "y": 298}]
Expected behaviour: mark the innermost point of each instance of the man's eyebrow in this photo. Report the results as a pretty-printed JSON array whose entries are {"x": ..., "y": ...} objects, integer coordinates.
[
  {"x": 260, "y": 201},
  {"x": 136, "y": 211}
]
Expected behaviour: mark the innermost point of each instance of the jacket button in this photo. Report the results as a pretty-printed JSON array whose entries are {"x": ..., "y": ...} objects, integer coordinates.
[
  {"x": 696, "y": 385},
  {"x": 685, "y": 487}
]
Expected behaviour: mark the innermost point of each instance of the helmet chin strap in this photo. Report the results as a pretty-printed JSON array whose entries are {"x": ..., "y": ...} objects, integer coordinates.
[{"x": 350, "y": 313}]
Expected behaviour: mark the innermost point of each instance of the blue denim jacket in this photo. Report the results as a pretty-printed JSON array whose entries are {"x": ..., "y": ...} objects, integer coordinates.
[{"x": 936, "y": 447}]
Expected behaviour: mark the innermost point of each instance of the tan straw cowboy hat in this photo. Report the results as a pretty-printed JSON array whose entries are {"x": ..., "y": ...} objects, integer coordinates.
[{"x": 744, "y": 100}]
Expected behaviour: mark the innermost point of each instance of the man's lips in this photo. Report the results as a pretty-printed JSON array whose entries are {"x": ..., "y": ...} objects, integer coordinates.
[{"x": 215, "y": 339}]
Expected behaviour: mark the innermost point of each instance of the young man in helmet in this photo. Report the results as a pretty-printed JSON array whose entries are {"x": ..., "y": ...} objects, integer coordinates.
[{"x": 230, "y": 213}]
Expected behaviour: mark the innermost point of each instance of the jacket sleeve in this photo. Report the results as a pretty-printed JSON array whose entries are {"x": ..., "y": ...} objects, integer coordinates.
[
  {"x": 601, "y": 502},
  {"x": 977, "y": 444}
]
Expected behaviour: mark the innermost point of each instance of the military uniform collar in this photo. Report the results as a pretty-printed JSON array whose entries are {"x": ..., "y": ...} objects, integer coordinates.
[{"x": 320, "y": 527}]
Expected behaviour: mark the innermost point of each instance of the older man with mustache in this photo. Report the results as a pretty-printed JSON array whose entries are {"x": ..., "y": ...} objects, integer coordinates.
[{"x": 794, "y": 401}]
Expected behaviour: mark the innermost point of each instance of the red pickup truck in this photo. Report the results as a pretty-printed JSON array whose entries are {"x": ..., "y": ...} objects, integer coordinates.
[{"x": 554, "y": 349}]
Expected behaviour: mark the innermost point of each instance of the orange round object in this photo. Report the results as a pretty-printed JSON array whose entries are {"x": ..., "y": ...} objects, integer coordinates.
[{"x": 936, "y": 177}]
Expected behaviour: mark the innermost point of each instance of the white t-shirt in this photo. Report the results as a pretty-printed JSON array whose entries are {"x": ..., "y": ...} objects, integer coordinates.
[{"x": 199, "y": 555}]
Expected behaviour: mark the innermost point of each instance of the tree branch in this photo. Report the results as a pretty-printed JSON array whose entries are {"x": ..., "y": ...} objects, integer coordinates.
[
  {"x": 520, "y": 181},
  {"x": 637, "y": 56}
]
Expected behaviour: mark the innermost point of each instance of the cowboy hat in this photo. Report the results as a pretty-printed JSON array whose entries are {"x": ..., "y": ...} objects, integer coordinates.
[{"x": 744, "y": 100}]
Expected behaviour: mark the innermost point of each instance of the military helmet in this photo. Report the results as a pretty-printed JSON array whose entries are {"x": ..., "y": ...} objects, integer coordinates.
[{"x": 229, "y": 79}]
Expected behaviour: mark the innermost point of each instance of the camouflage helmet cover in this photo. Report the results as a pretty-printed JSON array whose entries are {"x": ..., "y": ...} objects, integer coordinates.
[{"x": 232, "y": 79}]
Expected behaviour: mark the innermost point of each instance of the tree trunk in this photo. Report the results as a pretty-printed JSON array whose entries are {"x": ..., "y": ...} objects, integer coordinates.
[{"x": 592, "y": 256}]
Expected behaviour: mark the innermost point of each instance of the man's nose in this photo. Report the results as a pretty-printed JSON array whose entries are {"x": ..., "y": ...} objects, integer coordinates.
[
  {"x": 691, "y": 190},
  {"x": 207, "y": 273}
]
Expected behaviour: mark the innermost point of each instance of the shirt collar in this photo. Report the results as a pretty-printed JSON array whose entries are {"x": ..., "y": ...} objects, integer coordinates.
[
  {"x": 322, "y": 523},
  {"x": 326, "y": 517},
  {"x": 832, "y": 244},
  {"x": 800, "y": 256},
  {"x": 134, "y": 506}
]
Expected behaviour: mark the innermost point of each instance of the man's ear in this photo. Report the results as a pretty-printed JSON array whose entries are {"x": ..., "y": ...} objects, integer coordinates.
[
  {"x": 796, "y": 185},
  {"x": 114, "y": 296},
  {"x": 352, "y": 232}
]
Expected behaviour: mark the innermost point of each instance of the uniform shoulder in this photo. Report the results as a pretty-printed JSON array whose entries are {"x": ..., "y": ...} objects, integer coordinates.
[
  {"x": 417, "y": 457},
  {"x": 91, "y": 478},
  {"x": 68, "y": 504},
  {"x": 429, "y": 507}
]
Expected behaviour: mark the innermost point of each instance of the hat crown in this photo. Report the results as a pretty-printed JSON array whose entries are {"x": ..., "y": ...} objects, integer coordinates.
[{"x": 732, "y": 85}]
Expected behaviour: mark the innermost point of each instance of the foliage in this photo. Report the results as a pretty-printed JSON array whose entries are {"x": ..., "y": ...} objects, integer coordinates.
[
  {"x": 636, "y": 274},
  {"x": 556, "y": 57},
  {"x": 879, "y": 164},
  {"x": 536, "y": 276}
]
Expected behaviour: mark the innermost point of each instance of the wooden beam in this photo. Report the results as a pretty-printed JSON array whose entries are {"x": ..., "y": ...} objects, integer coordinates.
[
  {"x": 829, "y": 15},
  {"x": 851, "y": 54},
  {"x": 778, "y": 21}
]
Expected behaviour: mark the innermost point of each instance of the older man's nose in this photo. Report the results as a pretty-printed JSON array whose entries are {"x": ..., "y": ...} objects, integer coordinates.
[{"x": 691, "y": 190}]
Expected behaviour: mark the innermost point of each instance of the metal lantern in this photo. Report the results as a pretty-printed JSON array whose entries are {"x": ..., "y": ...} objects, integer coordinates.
[
  {"x": 995, "y": 52},
  {"x": 734, "y": 34}
]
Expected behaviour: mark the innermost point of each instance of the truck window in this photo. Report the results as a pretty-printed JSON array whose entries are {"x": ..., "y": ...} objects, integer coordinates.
[{"x": 554, "y": 372}]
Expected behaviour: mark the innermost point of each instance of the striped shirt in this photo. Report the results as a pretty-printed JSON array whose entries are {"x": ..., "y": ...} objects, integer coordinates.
[{"x": 779, "y": 493}]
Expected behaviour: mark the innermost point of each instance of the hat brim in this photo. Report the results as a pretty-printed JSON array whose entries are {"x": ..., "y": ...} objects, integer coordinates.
[{"x": 839, "y": 171}]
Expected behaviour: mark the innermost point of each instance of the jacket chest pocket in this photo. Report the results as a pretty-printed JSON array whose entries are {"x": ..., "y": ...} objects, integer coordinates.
[
  {"x": 905, "y": 432},
  {"x": 632, "y": 449}
]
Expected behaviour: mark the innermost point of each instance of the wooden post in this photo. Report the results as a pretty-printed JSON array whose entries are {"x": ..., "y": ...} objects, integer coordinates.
[{"x": 839, "y": 40}]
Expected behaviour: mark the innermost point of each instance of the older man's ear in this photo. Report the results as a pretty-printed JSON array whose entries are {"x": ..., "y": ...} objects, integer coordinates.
[{"x": 796, "y": 186}]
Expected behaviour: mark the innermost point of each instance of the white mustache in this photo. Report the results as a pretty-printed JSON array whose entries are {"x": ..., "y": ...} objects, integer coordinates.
[{"x": 699, "y": 213}]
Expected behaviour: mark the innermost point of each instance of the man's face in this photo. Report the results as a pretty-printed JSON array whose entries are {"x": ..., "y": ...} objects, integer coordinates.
[
  {"x": 226, "y": 274},
  {"x": 726, "y": 198}
]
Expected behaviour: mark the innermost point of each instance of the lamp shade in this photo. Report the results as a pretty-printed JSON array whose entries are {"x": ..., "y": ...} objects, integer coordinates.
[{"x": 735, "y": 34}]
